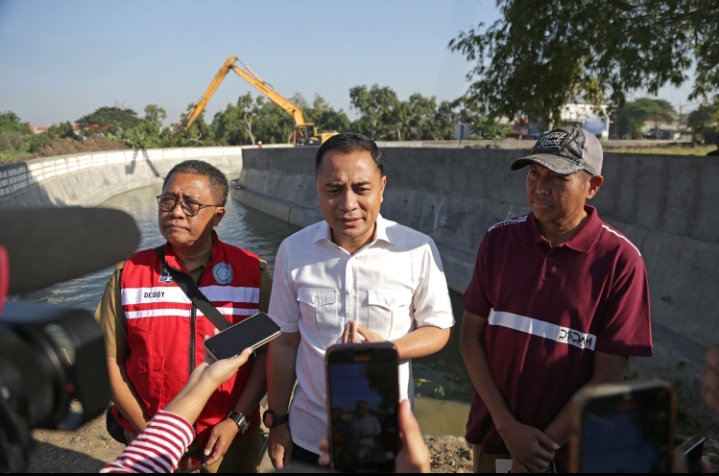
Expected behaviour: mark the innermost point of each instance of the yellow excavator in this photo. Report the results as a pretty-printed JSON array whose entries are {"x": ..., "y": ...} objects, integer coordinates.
[{"x": 305, "y": 133}]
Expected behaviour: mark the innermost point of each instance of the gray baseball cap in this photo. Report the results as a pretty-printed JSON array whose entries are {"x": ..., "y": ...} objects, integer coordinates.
[{"x": 566, "y": 150}]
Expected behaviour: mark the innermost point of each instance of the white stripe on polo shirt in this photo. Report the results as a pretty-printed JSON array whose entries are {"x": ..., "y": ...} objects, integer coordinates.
[
  {"x": 545, "y": 330},
  {"x": 511, "y": 221},
  {"x": 622, "y": 237},
  {"x": 175, "y": 294}
]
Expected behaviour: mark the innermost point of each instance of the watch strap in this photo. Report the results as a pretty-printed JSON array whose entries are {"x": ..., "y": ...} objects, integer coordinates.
[
  {"x": 240, "y": 420},
  {"x": 277, "y": 420}
]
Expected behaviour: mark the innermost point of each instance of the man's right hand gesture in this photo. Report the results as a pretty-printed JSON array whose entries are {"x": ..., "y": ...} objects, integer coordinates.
[
  {"x": 531, "y": 450},
  {"x": 280, "y": 446}
]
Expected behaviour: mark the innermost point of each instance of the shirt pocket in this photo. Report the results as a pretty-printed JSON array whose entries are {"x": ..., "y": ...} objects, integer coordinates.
[
  {"x": 388, "y": 312},
  {"x": 319, "y": 305}
]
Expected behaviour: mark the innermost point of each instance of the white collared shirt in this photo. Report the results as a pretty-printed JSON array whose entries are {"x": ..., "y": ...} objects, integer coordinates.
[{"x": 391, "y": 286}]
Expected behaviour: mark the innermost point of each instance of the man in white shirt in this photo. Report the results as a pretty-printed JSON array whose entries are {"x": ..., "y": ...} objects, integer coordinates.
[{"x": 355, "y": 277}]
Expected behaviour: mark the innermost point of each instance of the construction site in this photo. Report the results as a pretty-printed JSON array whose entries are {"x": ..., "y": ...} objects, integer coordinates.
[{"x": 624, "y": 95}]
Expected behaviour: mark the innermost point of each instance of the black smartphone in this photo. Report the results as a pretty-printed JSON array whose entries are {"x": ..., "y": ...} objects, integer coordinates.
[
  {"x": 692, "y": 450},
  {"x": 255, "y": 331},
  {"x": 362, "y": 404},
  {"x": 192, "y": 462},
  {"x": 623, "y": 428}
]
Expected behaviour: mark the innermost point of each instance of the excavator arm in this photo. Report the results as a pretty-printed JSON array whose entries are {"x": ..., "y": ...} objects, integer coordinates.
[
  {"x": 291, "y": 108},
  {"x": 305, "y": 132},
  {"x": 200, "y": 106}
]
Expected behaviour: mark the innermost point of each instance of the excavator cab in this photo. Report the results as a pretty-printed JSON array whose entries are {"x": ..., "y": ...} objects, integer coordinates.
[{"x": 306, "y": 134}]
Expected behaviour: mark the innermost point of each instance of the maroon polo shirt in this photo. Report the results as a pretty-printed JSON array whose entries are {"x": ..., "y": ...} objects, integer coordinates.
[{"x": 550, "y": 308}]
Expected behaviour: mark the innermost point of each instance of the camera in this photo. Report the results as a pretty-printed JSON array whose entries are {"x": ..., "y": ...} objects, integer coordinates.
[
  {"x": 53, "y": 365},
  {"x": 53, "y": 374}
]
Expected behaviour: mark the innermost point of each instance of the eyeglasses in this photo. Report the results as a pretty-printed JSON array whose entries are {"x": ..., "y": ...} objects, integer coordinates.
[{"x": 167, "y": 203}]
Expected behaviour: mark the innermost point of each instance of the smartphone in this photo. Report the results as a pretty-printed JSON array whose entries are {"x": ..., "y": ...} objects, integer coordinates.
[
  {"x": 692, "y": 450},
  {"x": 192, "y": 462},
  {"x": 627, "y": 427},
  {"x": 362, "y": 405},
  {"x": 255, "y": 331}
]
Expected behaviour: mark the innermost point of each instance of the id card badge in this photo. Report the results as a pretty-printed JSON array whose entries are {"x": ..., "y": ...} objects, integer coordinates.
[{"x": 503, "y": 465}]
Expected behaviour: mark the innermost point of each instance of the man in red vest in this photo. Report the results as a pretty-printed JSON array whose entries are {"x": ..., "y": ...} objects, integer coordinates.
[{"x": 154, "y": 334}]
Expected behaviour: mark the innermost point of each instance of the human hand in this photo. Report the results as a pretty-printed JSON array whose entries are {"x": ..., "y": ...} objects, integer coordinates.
[
  {"x": 280, "y": 446},
  {"x": 325, "y": 459},
  {"x": 220, "y": 440},
  {"x": 217, "y": 372},
  {"x": 710, "y": 375},
  {"x": 354, "y": 333},
  {"x": 414, "y": 455},
  {"x": 531, "y": 450},
  {"x": 680, "y": 463}
]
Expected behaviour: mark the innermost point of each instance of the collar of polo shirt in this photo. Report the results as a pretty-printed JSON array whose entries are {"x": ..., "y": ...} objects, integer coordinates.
[
  {"x": 581, "y": 242},
  {"x": 325, "y": 232}
]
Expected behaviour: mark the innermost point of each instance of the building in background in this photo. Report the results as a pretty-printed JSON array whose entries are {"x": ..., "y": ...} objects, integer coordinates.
[{"x": 587, "y": 117}]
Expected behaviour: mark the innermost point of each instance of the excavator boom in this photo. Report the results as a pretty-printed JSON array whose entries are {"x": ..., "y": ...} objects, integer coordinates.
[
  {"x": 304, "y": 132},
  {"x": 290, "y": 107},
  {"x": 200, "y": 106}
]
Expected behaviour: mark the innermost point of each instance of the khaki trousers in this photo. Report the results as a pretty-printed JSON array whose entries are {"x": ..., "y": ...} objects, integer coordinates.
[
  {"x": 243, "y": 455},
  {"x": 484, "y": 463}
]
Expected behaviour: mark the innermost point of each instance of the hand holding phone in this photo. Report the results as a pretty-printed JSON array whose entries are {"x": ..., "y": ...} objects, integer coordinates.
[
  {"x": 692, "y": 450},
  {"x": 626, "y": 427},
  {"x": 362, "y": 406},
  {"x": 253, "y": 332}
]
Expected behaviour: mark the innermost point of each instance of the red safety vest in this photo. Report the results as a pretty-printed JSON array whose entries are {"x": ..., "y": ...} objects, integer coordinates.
[{"x": 165, "y": 331}]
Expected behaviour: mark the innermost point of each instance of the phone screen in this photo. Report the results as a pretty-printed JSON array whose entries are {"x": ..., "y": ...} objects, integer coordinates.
[
  {"x": 252, "y": 332},
  {"x": 191, "y": 462},
  {"x": 363, "y": 394},
  {"x": 629, "y": 432}
]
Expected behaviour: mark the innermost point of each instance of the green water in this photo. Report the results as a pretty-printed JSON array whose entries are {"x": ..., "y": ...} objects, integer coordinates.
[{"x": 442, "y": 402}]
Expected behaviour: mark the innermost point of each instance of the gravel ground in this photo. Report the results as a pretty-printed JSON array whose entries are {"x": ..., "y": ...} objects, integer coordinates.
[{"x": 89, "y": 448}]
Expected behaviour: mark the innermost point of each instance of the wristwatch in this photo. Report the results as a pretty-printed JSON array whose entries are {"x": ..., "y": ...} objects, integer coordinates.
[
  {"x": 242, "y": 423},
  {"x": 271, "y": 419}
]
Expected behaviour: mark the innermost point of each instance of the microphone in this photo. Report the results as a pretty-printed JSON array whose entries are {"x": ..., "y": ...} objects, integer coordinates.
[{"x": 46, "y": 246}]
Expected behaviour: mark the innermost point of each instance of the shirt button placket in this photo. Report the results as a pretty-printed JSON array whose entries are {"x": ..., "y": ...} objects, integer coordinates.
[{"x": 349, "y": 297}]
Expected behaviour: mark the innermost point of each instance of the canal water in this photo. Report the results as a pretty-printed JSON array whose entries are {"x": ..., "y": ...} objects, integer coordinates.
[{"x": 443, "y": 386}]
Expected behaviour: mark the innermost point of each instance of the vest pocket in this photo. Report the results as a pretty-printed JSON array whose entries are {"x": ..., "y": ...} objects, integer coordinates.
[
  {"x": 147, "y": 374},
  {"x": 319, "y": 307}
]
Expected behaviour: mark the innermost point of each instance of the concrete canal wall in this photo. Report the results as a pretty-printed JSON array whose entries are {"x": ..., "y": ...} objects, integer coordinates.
[
  {"x": 663, "y": 204},
  {"x": 90, "y": 179}
]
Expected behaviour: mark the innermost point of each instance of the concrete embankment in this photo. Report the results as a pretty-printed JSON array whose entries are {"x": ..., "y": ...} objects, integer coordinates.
[
  {"x": 89, "y": 179},
  {"x": 662, "y": 203}
]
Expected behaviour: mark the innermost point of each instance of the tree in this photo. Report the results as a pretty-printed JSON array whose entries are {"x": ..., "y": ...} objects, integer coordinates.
[
  {"x": 703, "y": 117},
  {"x": 272, "y": 125},
  {"x": 233, "y": 126},
  {"x": 377, "y": 110},
  {"x": 108, "y": 120},
  {"x": 325, "y": 118},
  {"x": 10, "y": 122},
  {"x": 148, "y": 132},
  {"x": 14, "y": 134},
  {"x": 633, "y": 115},
  {"x": 154, "y": 114},
  {"x": 540, "y": 56},
  {"x": 199, "y": 134}
]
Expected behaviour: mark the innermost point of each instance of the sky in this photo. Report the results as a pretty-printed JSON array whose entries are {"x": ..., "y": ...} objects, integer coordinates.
[{"x": 62, "y": 60}]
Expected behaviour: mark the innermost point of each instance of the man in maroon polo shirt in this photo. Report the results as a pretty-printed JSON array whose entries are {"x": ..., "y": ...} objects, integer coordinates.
[{"x": 558, "y": 300}]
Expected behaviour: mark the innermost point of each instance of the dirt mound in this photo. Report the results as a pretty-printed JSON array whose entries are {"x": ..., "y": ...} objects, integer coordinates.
[{"x": 69, "y": 145}]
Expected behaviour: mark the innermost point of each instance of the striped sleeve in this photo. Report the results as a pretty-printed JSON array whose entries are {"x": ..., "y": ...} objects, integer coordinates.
[{"x": 157, "y": 449}]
